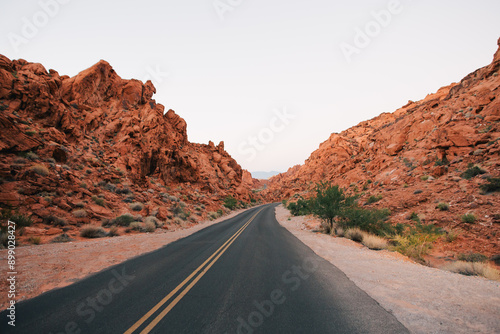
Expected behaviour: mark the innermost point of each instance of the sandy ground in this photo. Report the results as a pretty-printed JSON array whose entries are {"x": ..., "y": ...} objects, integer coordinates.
[
  {"x": 44, "y": 267},
  {"x": 426, "y": 300}
]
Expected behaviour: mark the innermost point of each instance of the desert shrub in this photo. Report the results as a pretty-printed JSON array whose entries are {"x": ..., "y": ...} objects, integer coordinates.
[
  {"x": 213, "y": 215},
  {"x": 62, "y": 238},
  {"x": 153, "y": 220},
  {"x": 178, "y": 221},
  {"x": 414, "y": 246},
  {"x": 443, "y": 206},
  {"x": 80, "y": 213},
  {"x": 369, "y": 220},
  {"x": 113, "y": 232},
  {"x": 374, "y": 242},
  {"x": 34, "y": 240},
  {"x": 136, "y": 206},
  {"x": 91, "y": 231},
  {"x": 230, "y": 202},
  {"x": 468, "y": 218},
  {"x": 20, "y": 219},
  {"x": 98, "y": 200},
  {"x": 452, "y": 235},
  {"x": 300, "y": 208},
  {"x": 424, "y": 177},
  {"x": 472, "y": 257},
  {"x": 355, "y": 234},
  {"x": 123, "y": 220},
  {"x": 31, "y": 156},
  {"x": 373, "y": 199},
  {"x": 472, "y": 172},
  {"x": 339, "y": 231},
  {"x": 56, "y": 221},
  {"x": 492, "y": 185},
  {"x": 136, "y": 226},
  {"x": 149, "y": 226},
  {"x": 473, "y": 269},
  {"x": 414, "y": 216},
  {"x": 40, "y": 170}
]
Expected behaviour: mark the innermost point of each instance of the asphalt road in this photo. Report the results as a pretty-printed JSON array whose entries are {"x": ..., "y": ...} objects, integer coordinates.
[{"x": 244, "y": 275}]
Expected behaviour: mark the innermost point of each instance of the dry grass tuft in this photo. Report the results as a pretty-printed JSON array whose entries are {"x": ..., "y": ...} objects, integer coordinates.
[
  {"x": 474, "y": 269},
  {"x": 355, "y": 234},
  {"x": 374, "y": 242}
]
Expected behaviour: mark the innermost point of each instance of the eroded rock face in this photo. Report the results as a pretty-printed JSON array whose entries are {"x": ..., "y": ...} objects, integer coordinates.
[
  {"x": 99, "y": 135},
  {"x": 422, "y": 147}
]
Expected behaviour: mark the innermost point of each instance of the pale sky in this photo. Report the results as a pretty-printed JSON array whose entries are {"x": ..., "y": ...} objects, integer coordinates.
[{"x": 271, "y": 78}]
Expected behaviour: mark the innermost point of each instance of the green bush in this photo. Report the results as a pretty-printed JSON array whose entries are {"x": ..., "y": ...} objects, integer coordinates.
[
  {"x": 123, "y": 220},
  {"x": 136, "y": 206},
  {"x": 414, "y": 216},
  {"x": 300, "y": 208},
  {"x": 230, "y": 202},
  {"x": 472, "y": 257},
  {"x": 369, "y": 220},
  {"x": 91, "y": 231},
  {"x": 40, "y": 170},
  {"x": 373, "y": 199},
  {"x": 443, "y": 206},
  {"x": 492, "y": 185},
  {"x": 472, "y": 172},
  {"x": 468, "y": 218}
]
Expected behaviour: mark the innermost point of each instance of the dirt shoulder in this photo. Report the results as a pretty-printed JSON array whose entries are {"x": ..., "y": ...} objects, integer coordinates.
[
  {"x": 424, "y": 299},
  {"x": 45, "y": 267}
]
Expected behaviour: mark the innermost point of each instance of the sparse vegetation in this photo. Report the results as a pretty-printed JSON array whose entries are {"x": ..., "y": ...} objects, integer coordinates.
[
  {"x": 472, "y": 257},
  {"x": 355, "y": 234},
  {"x": 113, "y": 232},
  {"x": 62, "y": 238},
  {"x": 374, "y": 242},
  {"x": 472, "y": 172},
  {"x": 91, "y": 231},
  {"x": 452, "y": 235},
  {"x": 230, "y": 202},
  {"x": 136, "y": 206},
  {"x": 98, "y": 200},
  {"x": 79, "y": 213},
  {"x": 468, "y": 218},
  {"x": 374, "y": 199},
  {"x": 443, "y": 206},
  {"x": 40, "y": 170},
  {"x": 492, "y": 185},
  {"x": 473, "y": 269},
  {"x": 414, "y": 216},
  {"x": 123, "y": 220},
  {"x": 424, "y": 177},
  {"x": 34, "y": 240}
]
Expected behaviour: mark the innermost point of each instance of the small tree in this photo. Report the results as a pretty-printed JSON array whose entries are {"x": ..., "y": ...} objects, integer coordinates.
[{"x": 330, "y": 202}]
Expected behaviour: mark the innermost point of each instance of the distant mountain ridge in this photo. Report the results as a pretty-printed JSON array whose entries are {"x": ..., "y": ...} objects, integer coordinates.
[{"x": 264, "y": 175}]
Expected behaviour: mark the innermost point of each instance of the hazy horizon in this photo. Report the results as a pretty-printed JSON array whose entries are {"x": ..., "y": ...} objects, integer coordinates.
[{"x": 271, "y": 80}]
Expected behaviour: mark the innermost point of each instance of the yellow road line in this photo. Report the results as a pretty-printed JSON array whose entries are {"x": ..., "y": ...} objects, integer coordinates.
[{"x": 219, "y": 251}]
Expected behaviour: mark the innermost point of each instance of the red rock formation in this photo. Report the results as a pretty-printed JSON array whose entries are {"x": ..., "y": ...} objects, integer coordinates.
[
  {"x": 100, "y": 135},
  {"x": 423, "y": 146}
]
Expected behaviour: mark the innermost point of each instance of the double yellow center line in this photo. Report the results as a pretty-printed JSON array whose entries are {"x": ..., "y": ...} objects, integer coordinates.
[{"x": 210, "y": 261}]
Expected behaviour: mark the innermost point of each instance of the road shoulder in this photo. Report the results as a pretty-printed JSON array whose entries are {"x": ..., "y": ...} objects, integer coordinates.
[{"x": 424, "y": 299}]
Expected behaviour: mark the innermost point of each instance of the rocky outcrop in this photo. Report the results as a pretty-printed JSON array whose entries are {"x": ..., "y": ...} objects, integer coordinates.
[
  {"x": 64, "y": 141},
  {"x": 414, "y": 158}
]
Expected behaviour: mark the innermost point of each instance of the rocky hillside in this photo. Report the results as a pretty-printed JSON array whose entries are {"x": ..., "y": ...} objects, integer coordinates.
[
  {"x": 414, "y": 158},
  {"x": 94, "y": 146}
]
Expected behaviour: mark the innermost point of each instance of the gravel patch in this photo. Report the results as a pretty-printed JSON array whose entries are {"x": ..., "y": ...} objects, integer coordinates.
[{"x": 425, "y": 300}]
